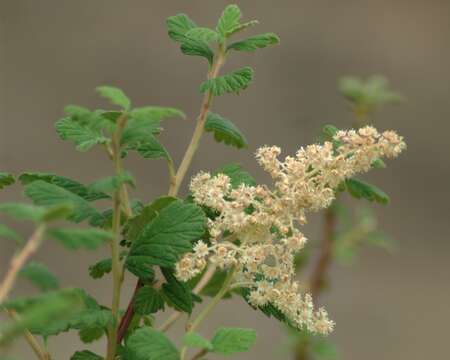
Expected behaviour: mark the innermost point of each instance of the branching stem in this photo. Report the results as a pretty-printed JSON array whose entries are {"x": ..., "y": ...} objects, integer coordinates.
[{"x": 208, "y": 308}]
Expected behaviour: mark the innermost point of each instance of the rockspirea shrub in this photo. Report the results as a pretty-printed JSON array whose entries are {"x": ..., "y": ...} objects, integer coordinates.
[{"x": 229, "y": 237}]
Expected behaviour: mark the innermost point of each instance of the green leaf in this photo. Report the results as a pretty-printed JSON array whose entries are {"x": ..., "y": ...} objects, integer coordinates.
[
  {"x": 177, "y": 293},
  {"x": 255, "y": 42},
  {"x": 84, "y": 136},
  {"x": 151, "y": 148},
  {"x": 43, "y": 193},
  {"x": 378, "y": 164},
  {"x": 148, "y": 301},
  {"x": 23, "y": 211},
  {"x": 178, "y": 26},
  {"x": 71, "y": 185},
  {"x": 101, "y": 268},
  {"x": 203, "y": 34},
  {"x": 362, "y": 190},
  {"x": 193, "y": 47},
  {"x": 140, "y": 268},
  {"x": 41, "y": 314},
  {"x": 168, "y": 235},
  {"x": 149, "y": 344},
  {"x": 112, "y": 183},
  {"x": 85, "y": 355},
  {"x": 136, "y": 224},
  {"x": 370, "y": 93},
  {"x": 225, "y": 131},
  {"x": 74, "y": 239},
  {"x": 228, "y": 341},
  {"x": 115, "y": 96},
  {"x": 195, "y": 340},
  {"x": 40, "y": 276},
  {"x": 6, "y": 232},
  {"x": 229, "y": 83},
  {"x": 156, "y": 113},
  {"x": 229, "y": 20},
  {"x": 237, "y": 175},
  {"x": 6, "y": 179},
  {"x": 92, "y": 324}
]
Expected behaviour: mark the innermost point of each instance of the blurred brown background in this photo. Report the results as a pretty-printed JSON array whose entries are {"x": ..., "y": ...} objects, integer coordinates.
[{"x": 54, "y": 53}]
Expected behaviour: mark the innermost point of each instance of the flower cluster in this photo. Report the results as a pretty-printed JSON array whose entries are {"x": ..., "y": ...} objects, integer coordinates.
[{"x": 256, "y": 229}]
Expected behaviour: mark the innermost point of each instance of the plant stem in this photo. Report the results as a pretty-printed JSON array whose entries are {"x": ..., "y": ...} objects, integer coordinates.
[
  {"x": 176, "y": 177},
  {"x": 199, "y": 128},
  {"x": 320, "y": 269},
  {"x": 197, "y": 289},
  {"x": 325, "y": 256},
  {"x": 208, "y": 308},
  {"x": 19, "y": 260},
  {"x": 200, "y": 354},
  {"x": 120, "y": 198},
  {"x": 40, "y": 353}
]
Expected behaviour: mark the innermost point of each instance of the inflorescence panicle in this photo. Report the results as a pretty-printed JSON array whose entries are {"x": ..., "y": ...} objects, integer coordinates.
[{"x": 256, "y": 230}]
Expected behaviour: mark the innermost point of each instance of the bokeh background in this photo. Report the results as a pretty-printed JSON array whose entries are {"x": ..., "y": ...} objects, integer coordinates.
[{"x": 54, "y": 53}]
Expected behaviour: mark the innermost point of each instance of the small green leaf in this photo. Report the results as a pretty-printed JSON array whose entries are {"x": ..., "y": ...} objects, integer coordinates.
[
  {"x": 203, "y": 34},
  {"x": 92, "y": 324},
  {"x": 193, "y": 47},
  {"x": 229, "y": 83},
  {"x": 243, "y": 26},
  {"x": 38, "y": 274},
  {"x": 148, "y": 301},
  {"x": 115, "y": 96},
  {"x": 378, "y": 164},
  {"x": 112, "y": 183},
  {"x": 37, "y": 213},
  {"x": 228, "y": 341},
  {"x": 71, "y": 185},
  {"x": 101, "y": 268},
  {"x": 6, "y": 179},
  {"x": 177, "y": 293},
  {"x": 229, "y": 20},
  {"x": 151, "y": 148},
  {"x": 84, "y": 136},
  {"x": 178, "y": 26},
  {"x": 6, "y": 232},
  {"x": 149, "y": 344},
  {"x": 46, "y": 194},
  {"x": 362, "y": 190},
  {"x": 156, "y": 113},
  {"x": 368, "y": 94},
  {"x": 168, "y": 235},
  {"x": 42, "y": 314},
  {"x": 23, "y": 211},
  {"x": 225, "y": 131},
  {"x": 73, "y": 239},
  {"x": 195, "y": 340},
  {"x": 85, "y": 355},
  {"x": 237, "y": 175},
  {"x": 255, "y": 42}
]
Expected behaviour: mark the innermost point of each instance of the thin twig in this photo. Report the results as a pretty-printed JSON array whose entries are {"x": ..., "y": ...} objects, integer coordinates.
[
  {"x": 40, "y": 353},
  {"x": 320, "y": 269},
  {"x": 19, "y": 260},
  {"x": 200, "y": 354}
]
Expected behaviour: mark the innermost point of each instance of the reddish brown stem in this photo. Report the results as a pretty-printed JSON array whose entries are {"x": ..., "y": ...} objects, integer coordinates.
[
  {"x": 320, "y": 270},
  {"x": 128, "y": 316},
  {"x": 325, "y": 256}
]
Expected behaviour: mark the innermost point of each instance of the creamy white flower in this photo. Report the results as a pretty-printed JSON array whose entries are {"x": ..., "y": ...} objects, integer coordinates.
[{"x": 265, "y": 220}]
